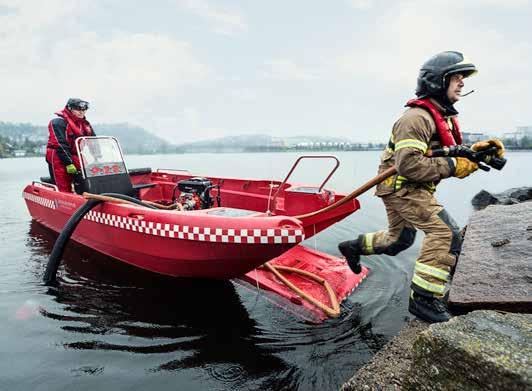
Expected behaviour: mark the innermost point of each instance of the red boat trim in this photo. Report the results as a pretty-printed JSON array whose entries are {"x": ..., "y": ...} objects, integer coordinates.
[{"x": 202, "y": 234}]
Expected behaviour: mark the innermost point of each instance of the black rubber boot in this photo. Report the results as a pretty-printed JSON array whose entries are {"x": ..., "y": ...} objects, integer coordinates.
[
  {"x": 351, "y": 250},
  {"x": 428, "y": 308}
]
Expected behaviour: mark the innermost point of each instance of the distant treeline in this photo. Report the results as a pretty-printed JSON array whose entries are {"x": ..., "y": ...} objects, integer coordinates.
[
  {"x": 522, "y": 143},
  {"x": 23, "y": 139},
  {"x": 314, "y": 148}
]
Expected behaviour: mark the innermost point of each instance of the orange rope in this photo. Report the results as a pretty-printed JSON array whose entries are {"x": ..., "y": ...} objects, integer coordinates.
[{"x": 332, "y": 312}]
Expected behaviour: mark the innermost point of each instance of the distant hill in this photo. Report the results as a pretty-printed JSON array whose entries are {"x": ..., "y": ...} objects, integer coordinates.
[
  {"x": 134, "y": 139},
  {"x": 18, "y": 132},
  {"x": 33, "y": 138}
]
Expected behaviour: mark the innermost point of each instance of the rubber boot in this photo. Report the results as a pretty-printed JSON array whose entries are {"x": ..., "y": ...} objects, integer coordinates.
[
  {"x": 426, "y": 307},
  {"x": 351, "y": 250}
]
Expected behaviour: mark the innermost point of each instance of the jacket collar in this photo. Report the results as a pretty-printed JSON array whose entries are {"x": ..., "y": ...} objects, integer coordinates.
[{"x": 444, "y": 106}]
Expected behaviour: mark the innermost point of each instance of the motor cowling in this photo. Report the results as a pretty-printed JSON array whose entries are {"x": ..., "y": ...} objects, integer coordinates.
[{"x": 194, "y": 193}]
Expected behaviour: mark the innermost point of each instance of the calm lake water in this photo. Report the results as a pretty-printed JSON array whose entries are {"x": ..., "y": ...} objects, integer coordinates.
[{"x": 110, "y": 327}]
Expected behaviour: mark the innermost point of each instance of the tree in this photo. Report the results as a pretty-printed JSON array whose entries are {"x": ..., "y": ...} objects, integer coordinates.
[{"x": 526, "y": 142}]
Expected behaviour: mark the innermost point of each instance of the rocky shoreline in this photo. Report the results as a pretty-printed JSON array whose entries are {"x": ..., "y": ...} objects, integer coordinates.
[
  {"x": 489, "y": 348},
  {"x": 387, "y": 369}
]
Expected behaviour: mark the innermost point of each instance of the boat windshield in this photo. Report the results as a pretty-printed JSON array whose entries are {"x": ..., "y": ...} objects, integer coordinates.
[{"x": 100, "y": 156}]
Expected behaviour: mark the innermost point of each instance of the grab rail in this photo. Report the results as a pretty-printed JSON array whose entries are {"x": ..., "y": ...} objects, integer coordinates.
[
  {"x": 293, "y": 168},
  {"x": 44, "y": 184},
  {"x": 172, "y": 169}
]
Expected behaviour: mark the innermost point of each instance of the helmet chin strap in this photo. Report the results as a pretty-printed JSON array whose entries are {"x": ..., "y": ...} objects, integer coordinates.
[{"x": 467, "y": 93}]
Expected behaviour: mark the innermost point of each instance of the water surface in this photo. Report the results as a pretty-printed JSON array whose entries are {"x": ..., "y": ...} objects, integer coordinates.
[{"x": 108, "y": 326}]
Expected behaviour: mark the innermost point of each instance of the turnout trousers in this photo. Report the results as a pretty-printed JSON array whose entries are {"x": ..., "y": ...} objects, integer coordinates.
[
  {"x": 58, "y": 171},
  {"x": 408, "y": 210}
]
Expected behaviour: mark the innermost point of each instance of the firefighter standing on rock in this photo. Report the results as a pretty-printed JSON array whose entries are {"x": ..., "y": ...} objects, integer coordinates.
[{"x": 429, "y": 123}]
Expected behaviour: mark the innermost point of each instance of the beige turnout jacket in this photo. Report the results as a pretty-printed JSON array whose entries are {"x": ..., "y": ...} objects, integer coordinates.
[{"x": 412, "y": 135}]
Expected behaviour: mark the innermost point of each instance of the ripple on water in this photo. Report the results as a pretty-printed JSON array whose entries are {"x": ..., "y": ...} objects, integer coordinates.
[
  {"x": 87, "y": 370},
  {"x": 226, "y": 372}
]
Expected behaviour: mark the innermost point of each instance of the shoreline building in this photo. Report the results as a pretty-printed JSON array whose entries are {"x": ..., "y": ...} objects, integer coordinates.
[
  {"x": 470, "y": 137},
  {"x": 520, "y": 133}
]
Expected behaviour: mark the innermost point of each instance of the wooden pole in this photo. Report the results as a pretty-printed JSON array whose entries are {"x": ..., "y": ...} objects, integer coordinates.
[{"x": 355, "y": 193}]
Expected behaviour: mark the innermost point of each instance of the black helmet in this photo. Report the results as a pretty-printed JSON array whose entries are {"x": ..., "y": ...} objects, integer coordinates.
[
  {"x": 77, "y": 104},
  {"x": 432, "y": 80}
]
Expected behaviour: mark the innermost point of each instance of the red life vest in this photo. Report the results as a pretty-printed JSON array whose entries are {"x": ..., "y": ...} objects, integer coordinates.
[
  {"x": 76, "y": 127},
  {"x": 448, "y": 136}
]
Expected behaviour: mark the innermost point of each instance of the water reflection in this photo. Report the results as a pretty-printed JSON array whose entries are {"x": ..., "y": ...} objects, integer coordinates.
[
  {"x": 113, "y": 307},
  {"x": 203, "y": 326}
]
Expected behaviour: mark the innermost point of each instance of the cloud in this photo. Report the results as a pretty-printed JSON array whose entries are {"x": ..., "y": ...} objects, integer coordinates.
[
  {"x": 163, "y": 69},
  {"x": 360, "y": 4},
  {"x": 500, "y": 3},
  {"x": 284, "y": 69},
  {"x": 48, "y": 59},
  {"x": 412, "y": 31},
  {"x": 223, "y": 21},
  {"x": 243, "y": 94}
]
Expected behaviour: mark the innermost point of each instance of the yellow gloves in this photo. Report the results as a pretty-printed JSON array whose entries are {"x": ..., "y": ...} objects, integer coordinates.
[
  {"x": 492, "y": 142},
  {"x": 464, "y": 167}
]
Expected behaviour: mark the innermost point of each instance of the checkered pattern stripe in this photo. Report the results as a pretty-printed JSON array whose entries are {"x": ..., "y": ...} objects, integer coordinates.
[
  {"x": 202, "y": 234},
  {"x": 40, "y": 200}
]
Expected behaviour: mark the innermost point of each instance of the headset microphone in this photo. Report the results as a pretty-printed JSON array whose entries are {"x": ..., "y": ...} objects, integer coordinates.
[{"x": 467, "y": 93}]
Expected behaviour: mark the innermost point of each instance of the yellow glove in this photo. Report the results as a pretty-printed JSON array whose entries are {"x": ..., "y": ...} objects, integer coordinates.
[
  {"x": 492, "y": 142},
  {"x": 71, "y": 169},
  {"x": 464, "y": 167}
]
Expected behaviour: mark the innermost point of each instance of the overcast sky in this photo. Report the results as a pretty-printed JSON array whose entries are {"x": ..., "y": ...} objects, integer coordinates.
[{"x": 197, "y": 69}]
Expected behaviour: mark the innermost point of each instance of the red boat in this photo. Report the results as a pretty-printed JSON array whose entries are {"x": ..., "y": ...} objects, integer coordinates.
[{"x": 221, "y": 227}]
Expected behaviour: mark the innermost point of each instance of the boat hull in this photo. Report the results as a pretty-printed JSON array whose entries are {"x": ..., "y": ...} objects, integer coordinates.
[
  {"x": 223, "y": 242},
  {"x": 169, "y": 243}
]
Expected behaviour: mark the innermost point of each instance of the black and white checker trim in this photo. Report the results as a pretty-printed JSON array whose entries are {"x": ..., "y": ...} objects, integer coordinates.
[
  {"x": 48, "y": 203},
  {"x": 187, "y": 232},
  {"x": 202, "y": 234}
]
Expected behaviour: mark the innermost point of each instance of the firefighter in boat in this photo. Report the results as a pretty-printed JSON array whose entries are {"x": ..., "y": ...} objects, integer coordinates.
[
  {"x": 61, "y": 155},
  {"x": 430, "y": 122}
]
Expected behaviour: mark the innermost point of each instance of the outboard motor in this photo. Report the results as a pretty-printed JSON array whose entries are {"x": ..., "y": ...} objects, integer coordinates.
[{"x": 194, "y": 193}]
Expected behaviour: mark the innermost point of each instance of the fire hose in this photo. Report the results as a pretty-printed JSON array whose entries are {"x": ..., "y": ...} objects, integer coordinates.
[{"x": 485, "y": 159}]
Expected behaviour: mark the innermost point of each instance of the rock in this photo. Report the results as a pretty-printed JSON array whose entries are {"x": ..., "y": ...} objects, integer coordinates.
[
  {"x": 508, "y": 197},
  {"x": 483, "y": 199},
  {"x": 387, "y": 369},
  {"x": 495, "y": 276},
  {"x": 499, "y": 243},
  {"x": 483, "y": 350}
]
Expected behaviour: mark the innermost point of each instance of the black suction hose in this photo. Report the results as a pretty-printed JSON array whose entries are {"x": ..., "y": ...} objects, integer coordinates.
[{"x": 59, "y": 246}]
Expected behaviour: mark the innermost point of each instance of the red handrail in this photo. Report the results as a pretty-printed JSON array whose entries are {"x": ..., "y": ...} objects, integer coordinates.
[{"x": 272, "y": 202}]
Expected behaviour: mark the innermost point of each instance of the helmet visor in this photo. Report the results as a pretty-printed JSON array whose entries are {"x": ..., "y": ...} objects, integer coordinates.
[
  {"x": 77, "y": 104},
  {"x": 465, "y": 70},
  {"x": 82, "y": 105}
]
